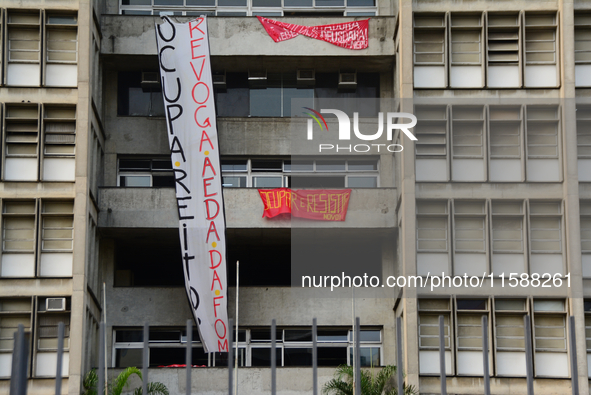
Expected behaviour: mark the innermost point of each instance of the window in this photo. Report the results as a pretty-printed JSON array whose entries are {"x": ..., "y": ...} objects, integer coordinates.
[
  {"x": 503, "y": 51},
  {"x": 508, "y": 237},
  {"x": 468, "y": 145},
  {"x": 300, "y": 173},
  {"x": 463, "y": 336},
  {"x": 13, "y": 311},
  {"x": 271, "y": 94},
  {"x": 494, "y": 143},
  {"x": 59, "y": 143},
  {"x": 587, "y": 305},
  {"x": 41, "y": 40},
  {"x": 545, "y": 221},
  {"x": 138, "y": 172},
  {"x": 585, "y": 212},
  {"x": 550, "y": 340},
  {"x": 250, "y": 7},
  {"x": 432, "y": 145},
  {"x": 430, "y": 38},
  {"x": 541, "y": 61},
  {"x": 133, "y": 99},
  {"x": 45, "y": 351},
  {"x": 469, "y": 336},
  {"x": 506, "y": 144},
  {"x": 584, "y": 142},
  {"x": 432, "y": 237},
  {"x": 510, "y": 337},
  {"x": 506, "y": 65},
  {"x": 20, "y": 231},
  {"x": 582, "y": 49},
  {"x": 467, "y": 65},
  {"x": 543, "y": 123},
  {"x": 470, "y": 237},
  {"x": 42, "y": 335},
  {"x": 293, "y": 347},
  {"x": 32, "y": 132},
  {"x": 516, "y": 248},
  {"x": 429, "y": 312}
]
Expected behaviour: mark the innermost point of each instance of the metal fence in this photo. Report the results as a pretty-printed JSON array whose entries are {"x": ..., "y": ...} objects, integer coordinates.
[{"x": 18, "y": 383}]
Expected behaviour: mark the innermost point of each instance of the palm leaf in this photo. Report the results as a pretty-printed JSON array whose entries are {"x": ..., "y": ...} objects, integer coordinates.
[
  {"x": 121, "y": 380},
  {"x": 89, "y": 383},
  {"x": 154, "y": 388}
]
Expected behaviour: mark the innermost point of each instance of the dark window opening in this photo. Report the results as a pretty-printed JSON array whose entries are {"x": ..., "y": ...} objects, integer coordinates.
[{"x": 133, "y": 100}]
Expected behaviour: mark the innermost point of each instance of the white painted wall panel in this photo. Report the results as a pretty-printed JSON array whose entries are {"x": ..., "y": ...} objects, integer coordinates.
[
  {"x": 59, "y": 169},
  {"x": 511, "y": 363},
  {"x": 20, "y": 169},
  {"x": 431, "y": 170},
  {"x": 21, "y": 74},
  {"x": 468, "y": 170},
  {"x": 503, "y": 76},
  {"x": 429, "y": 77},
  {"x": 17, "y": 265},
  {"x": 434, "y": 263},
  {"x": 505, "y": 170},
  {"x": 470, "y": 264},
  {"x": 508, "y": 263},
  {"x": 61, "y": 75},
  {"x": 58, "y": 264},
  {"x": 551, "y": 364},
  {"x": 466, "y": 76},
  {"x": 429, "y": 362},
  {"x": 540, "y": 76},
  {"x": 543, "y": 170}
]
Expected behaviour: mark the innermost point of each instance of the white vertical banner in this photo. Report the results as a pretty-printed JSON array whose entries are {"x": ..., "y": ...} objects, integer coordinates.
[{"x": 185, "y": 67}]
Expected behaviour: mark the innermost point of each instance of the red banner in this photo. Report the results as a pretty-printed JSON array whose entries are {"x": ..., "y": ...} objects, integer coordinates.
[
  {"x": 350, "y": 35},
  {"x": 318, "y": 204}
]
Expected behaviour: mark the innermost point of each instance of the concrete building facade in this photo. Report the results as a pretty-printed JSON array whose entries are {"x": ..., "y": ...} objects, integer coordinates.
[{"x": 498, "y": 182}]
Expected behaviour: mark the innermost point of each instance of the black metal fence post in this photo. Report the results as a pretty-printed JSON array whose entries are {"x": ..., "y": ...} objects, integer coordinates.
[
  {"x": 357, "y": 358},
  {"x": 529, "y": 366},
  {"x": 145, "y": 359},
  {"x": 485, "y": 370},
  {"x": 60, "y": 354},
  {"x": 314, "y": 358},
  {"x": 189, "y": 356},
  {"x": 573, "y": 356},
  {"x": 273, "y": 357},
  {"x": 399, "y": 355},
  {"x": 230, "y": 356},
  {"x": 18, "y": 374},
  {"x": 101, "y": 368},
  {"x": 442, "y": 372}
]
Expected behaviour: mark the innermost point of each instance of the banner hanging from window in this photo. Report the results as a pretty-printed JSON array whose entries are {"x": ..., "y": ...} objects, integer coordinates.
[
  {"x": 317, "y": 204},
  {"x": 185, "y": 68},
  {"x": 350, "y": 35}
]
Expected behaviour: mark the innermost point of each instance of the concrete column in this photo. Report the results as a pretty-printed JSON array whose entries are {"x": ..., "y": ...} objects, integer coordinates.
[{"x": 571, "y": 187}]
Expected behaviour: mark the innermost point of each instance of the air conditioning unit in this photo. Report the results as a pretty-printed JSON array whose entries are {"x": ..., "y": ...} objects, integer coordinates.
[
  {"x": 150, "y": 81},
  {"x": 257, "y": 79},
  {"x": 306, "y": 77},
  {"x": 347, "y": 80},
  {"x": 219, "y": 79},
  {"x": 55, "y": 304}
]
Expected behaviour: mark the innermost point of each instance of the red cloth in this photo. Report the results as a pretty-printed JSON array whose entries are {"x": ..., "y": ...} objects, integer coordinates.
[
  {"x": 350, "y": 35},
  {"x": 317, "y": 204}
]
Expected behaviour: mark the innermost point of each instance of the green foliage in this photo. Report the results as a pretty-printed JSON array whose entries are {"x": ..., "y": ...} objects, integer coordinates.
[
  {"x": 371, "y": 384},
  {"x": 117, "y": 385}
]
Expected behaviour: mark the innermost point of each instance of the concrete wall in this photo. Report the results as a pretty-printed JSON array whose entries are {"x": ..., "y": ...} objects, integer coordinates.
[{"x": 156, "y": 208}]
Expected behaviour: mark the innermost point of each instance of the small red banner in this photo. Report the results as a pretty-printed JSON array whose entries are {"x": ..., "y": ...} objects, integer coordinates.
[
  {"x": 350, "y": 35},
  {"x": 317, "y": 204}
]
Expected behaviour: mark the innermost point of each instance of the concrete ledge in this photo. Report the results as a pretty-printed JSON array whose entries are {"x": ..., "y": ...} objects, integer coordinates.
[
  {"x": 156, "y": 208},
  {"x": 231, "y": 36}
]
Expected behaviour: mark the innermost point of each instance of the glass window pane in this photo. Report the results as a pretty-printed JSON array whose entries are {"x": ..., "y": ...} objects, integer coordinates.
[
  {"x": 265, "y": 102},
  {"x": 234, "y": 182},
  {"x": 332, "y": 356},
  {"x": 231, "y": 3},
  {"x": 267, "y": 182},
  {"x": 297, "y": 3},
  {"x": 297, "y": 357},
  {"x": 299, "y": 94},
  {"x": 330, "y": 3},
  {"x": 266, "y": 3},
  {"x": 362, "y": 182},
  {"x": 264, "y": 335},
  {"x": 231, "y": 13},
  {"x": 330, "y": 165},
  {"x": 548, "y": 305},
  {"x": 234, "y": 166},
  {"x": 262, "y": 356},
  {"x": 509, "y": 304},
  {"x": 369, "y": 336},
  {"x": 266, "y": 165},
  {"x": 129, "y": 336},
  {"x": 134, "y": 164},
  {"x": 362, "y": 165},
  {"x": 361, "y": 3},
  {"x": 469, "y": 304},
  {"x": 201, "y": 2},
  {"x": 332, "y": 335},
  {"x": 301, "y": 165},
  {"x": 298, "y": 335},
  {"x": 128, "y": 357},
  {"x": 135, "y": 181},
  {"x": 136, "y": 2}
]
